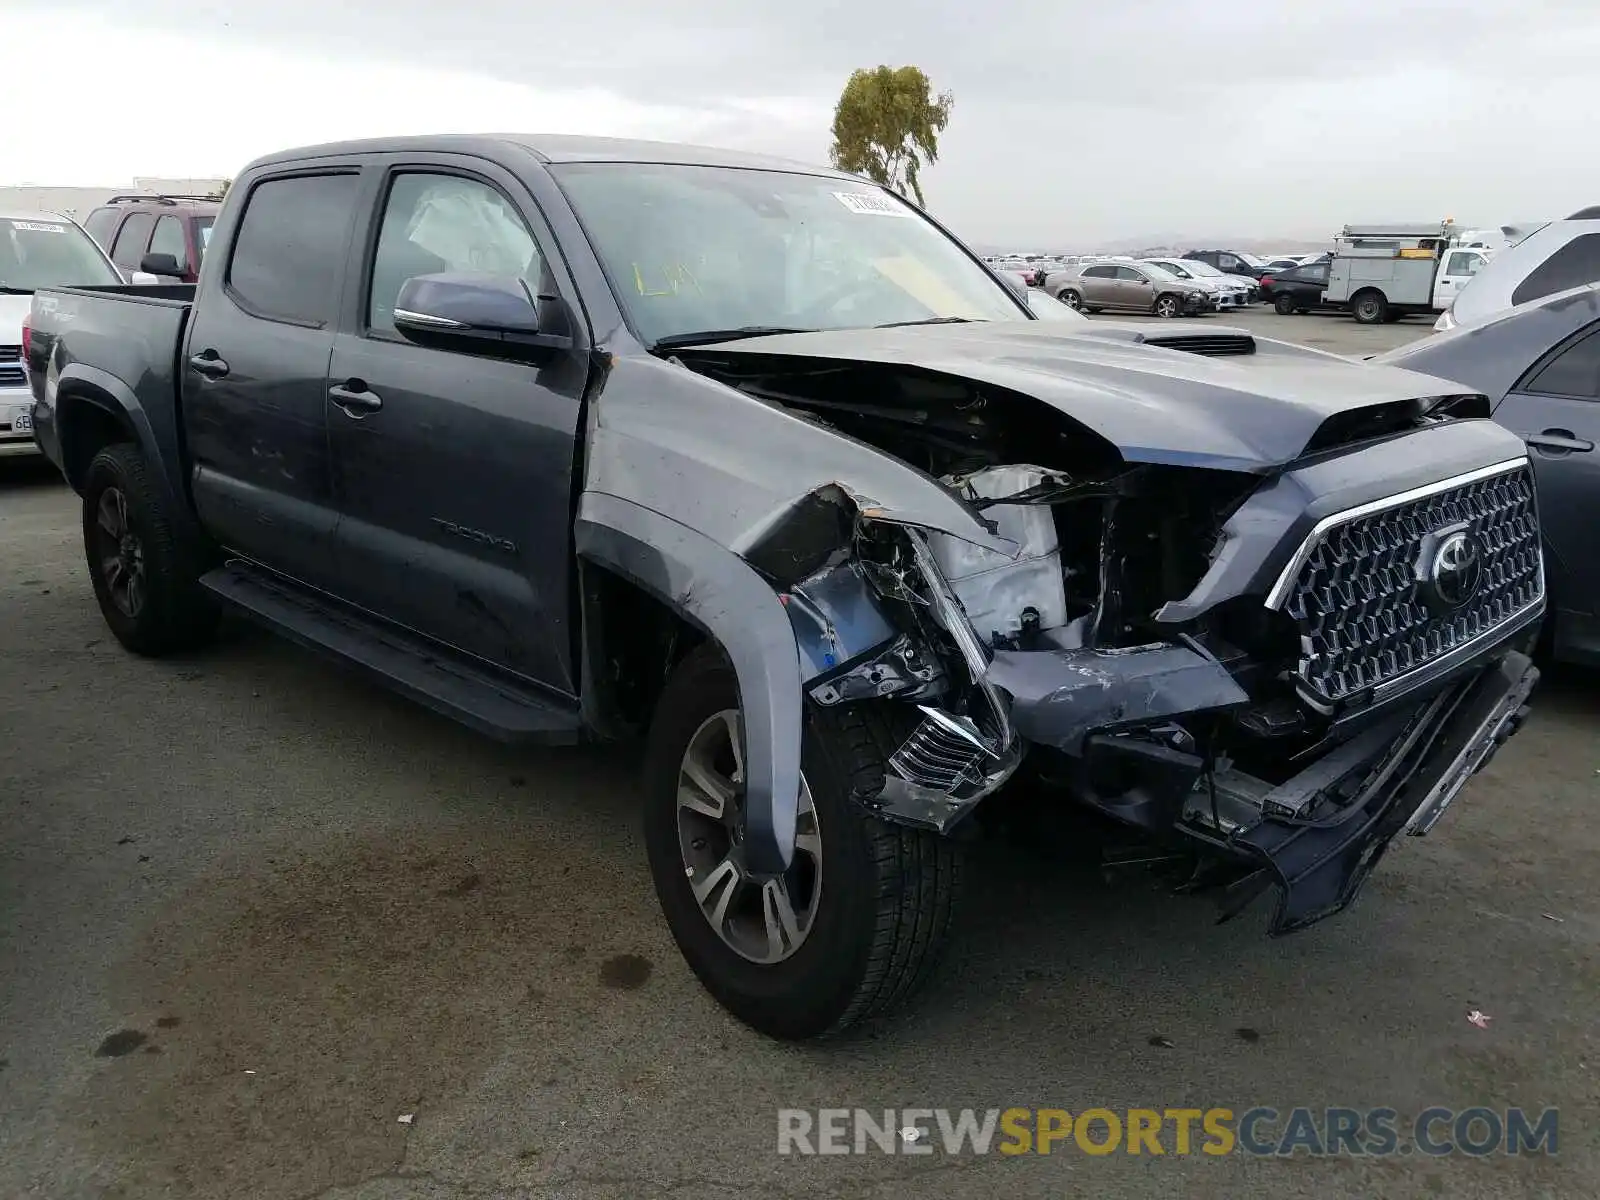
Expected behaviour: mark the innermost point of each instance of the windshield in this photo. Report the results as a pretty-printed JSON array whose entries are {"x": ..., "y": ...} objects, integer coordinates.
[
  {"x": 1201, "y": 268},
  {"x": 1181, "y": 270},
  {"x": 42, "y": 252},
  {"x": 690, "y": 249}
]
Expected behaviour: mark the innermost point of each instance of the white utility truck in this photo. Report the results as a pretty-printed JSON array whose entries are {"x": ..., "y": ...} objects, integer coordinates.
[{"x": 1387, "y": 271}]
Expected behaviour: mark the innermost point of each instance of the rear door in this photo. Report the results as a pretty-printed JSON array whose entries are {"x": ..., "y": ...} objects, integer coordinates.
[
  {"x": 255, "y": 379},
  {"x": 1099, "y": 285},
  {"x": 454, "y": 475},
  {"x": 1556, "y": 410}
]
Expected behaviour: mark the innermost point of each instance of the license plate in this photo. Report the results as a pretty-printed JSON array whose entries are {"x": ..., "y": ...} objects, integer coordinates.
[{"x": 22, "y": 421}]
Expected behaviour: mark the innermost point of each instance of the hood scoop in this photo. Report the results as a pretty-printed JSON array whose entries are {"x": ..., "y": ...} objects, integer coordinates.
[{"x": 1213, "y": 345}]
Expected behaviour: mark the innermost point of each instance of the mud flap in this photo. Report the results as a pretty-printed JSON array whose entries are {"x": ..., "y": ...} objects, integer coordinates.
[{"x": 1320, "y": 865}]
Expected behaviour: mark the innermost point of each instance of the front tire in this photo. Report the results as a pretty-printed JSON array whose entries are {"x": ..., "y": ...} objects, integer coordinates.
[
  {"x": 1168, "y": 306},
  {"x": 869, "y": 904},
  {"x": 1070, "y": 298},
  {"x": 144, "y": 571}
]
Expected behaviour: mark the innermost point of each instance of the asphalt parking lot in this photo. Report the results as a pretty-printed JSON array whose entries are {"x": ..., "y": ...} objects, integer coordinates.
[{"x": 253, "y": 912}]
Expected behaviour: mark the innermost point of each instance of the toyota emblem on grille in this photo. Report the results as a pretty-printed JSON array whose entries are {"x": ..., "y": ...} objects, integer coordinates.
[{"x": 1456, "y": 570}]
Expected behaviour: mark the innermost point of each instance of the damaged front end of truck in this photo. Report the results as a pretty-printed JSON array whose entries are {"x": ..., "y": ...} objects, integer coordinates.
[{"x": 1271, "y": 650}]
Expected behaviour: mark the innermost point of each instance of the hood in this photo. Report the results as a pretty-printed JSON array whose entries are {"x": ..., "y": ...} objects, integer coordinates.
[
  {"x": 12, "y": 310},
  {"x": 1251, "y": 412}
]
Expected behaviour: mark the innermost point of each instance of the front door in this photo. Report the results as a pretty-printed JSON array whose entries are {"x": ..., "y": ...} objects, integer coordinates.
[
  {"x": 1134, "y": 289},
  {"x": 1456, "y": 272},
  {"x": 454, "y": 472},
  {"x": 1557, "y": 412},
  {"x": 255, "y": 375}
]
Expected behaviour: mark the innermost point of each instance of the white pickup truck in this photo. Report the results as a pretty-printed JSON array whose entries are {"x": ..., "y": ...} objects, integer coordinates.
[
  {"x": 1385, "y": 272},
  {"x": 36, "y": 250}
]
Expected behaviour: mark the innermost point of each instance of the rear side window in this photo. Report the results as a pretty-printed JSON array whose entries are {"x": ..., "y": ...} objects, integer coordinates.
[
  {"x": 168, "y": 239},
  {"x": 1575, "y": 264},
  {"x": 1099, "y": 272},
  {"x": 1573, "y": 372},
  {"x": 132, "y": 238},
  {"x": 288, "y": 256},
  {"x": 102, "y": 223}
]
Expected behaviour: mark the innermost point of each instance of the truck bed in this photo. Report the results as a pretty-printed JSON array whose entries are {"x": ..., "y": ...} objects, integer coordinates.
[{"x": 120, "y": 338}]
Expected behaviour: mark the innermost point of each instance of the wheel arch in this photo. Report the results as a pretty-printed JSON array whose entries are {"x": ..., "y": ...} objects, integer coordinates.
[
  {"x": 715, "y": 592},
  {"x": 94, "y": 409}
]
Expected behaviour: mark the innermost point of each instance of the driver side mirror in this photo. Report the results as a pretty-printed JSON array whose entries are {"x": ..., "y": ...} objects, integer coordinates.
[{"x": 476, "y": 314}]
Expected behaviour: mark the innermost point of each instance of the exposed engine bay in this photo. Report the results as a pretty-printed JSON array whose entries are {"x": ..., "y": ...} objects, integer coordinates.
[{"x": 1212, "y": 727}]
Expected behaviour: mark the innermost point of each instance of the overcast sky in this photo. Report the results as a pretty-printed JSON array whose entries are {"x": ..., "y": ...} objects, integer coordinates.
[{"x": 1074, "y": 123}]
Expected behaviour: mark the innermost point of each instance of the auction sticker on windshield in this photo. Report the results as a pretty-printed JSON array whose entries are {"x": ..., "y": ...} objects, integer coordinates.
[
  {"x": 872, "y": 204},
  {"x": 38, "y": 227}
]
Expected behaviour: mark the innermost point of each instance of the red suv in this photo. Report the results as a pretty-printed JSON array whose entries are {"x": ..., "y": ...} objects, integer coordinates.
[{"x": 163, "y": 235}]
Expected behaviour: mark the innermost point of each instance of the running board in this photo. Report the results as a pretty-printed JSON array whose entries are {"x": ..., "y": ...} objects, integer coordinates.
[{"x": 453, "y": 687}]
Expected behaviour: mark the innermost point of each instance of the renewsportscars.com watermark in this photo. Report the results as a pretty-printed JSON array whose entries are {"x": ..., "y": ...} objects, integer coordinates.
[{"x": 1379, "y": 1132}]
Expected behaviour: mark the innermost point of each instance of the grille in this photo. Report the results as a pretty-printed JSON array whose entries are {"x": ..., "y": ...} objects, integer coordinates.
[
  {"x": 936, "y": 758},
  {"x": 1360, "y": 597},
  {"x": 1207, "y": 343},
  {"x": 11, "y": 366}
]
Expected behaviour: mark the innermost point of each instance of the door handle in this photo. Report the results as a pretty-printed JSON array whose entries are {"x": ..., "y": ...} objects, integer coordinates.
[
  {"x": 209, "y": 363},
  {"x": 1559, "y": 441},
  {"x": 353, "y": 398}
]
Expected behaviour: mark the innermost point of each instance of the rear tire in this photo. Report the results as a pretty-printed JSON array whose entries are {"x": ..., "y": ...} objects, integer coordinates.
[
  {"x": 144, "y": 570},
  {"x": 884, "y": 895},
  {"x": 1283, "y": 304},
  {"x": 1369, "y": 308}
]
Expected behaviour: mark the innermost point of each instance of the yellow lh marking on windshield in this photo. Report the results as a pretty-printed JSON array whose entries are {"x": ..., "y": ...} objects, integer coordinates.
[{"x": 672, "y": 274}]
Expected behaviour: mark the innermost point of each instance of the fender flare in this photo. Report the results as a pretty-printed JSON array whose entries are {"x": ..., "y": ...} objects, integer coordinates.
[
  {"x": 124, "y": 406},
  {"x": 716, "y": 590}
]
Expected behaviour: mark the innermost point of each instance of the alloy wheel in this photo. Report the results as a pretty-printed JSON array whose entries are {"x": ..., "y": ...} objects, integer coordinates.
[
  {"x": 764, "y": 920},
  {"x": 120, "y": 553}
]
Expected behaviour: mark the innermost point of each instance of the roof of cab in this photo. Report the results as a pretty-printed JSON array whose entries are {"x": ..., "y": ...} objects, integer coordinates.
[{"x": 553, "y": 148}]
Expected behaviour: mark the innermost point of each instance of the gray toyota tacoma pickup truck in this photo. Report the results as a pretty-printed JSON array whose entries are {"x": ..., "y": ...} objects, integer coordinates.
[{"x": 583, "y": 439}]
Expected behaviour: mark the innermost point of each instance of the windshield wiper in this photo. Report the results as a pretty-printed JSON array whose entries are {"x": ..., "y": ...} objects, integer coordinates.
[
  {"x": 704, "y": 337},
  {"x": 927, "y": 321}
]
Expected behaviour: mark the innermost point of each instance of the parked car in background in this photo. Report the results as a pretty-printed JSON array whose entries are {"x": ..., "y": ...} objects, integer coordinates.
[
  {"x": 36, "y": 250},
  {"x": 1297, "y": 290},
  {"x": 1204, "y": 270},
  {"x": 1553, "y": 258},
  {"x": 1129, "y": 287},
  {"x": 1230, "y": 262},
  {"x": 1228, "y": 293},
  {"x": 162, "y": 235},
  {"x": 1539, "y": 364}
]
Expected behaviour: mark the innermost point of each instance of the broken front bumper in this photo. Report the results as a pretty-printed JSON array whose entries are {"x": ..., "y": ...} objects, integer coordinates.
[{"x": 1319, "y": 864}]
